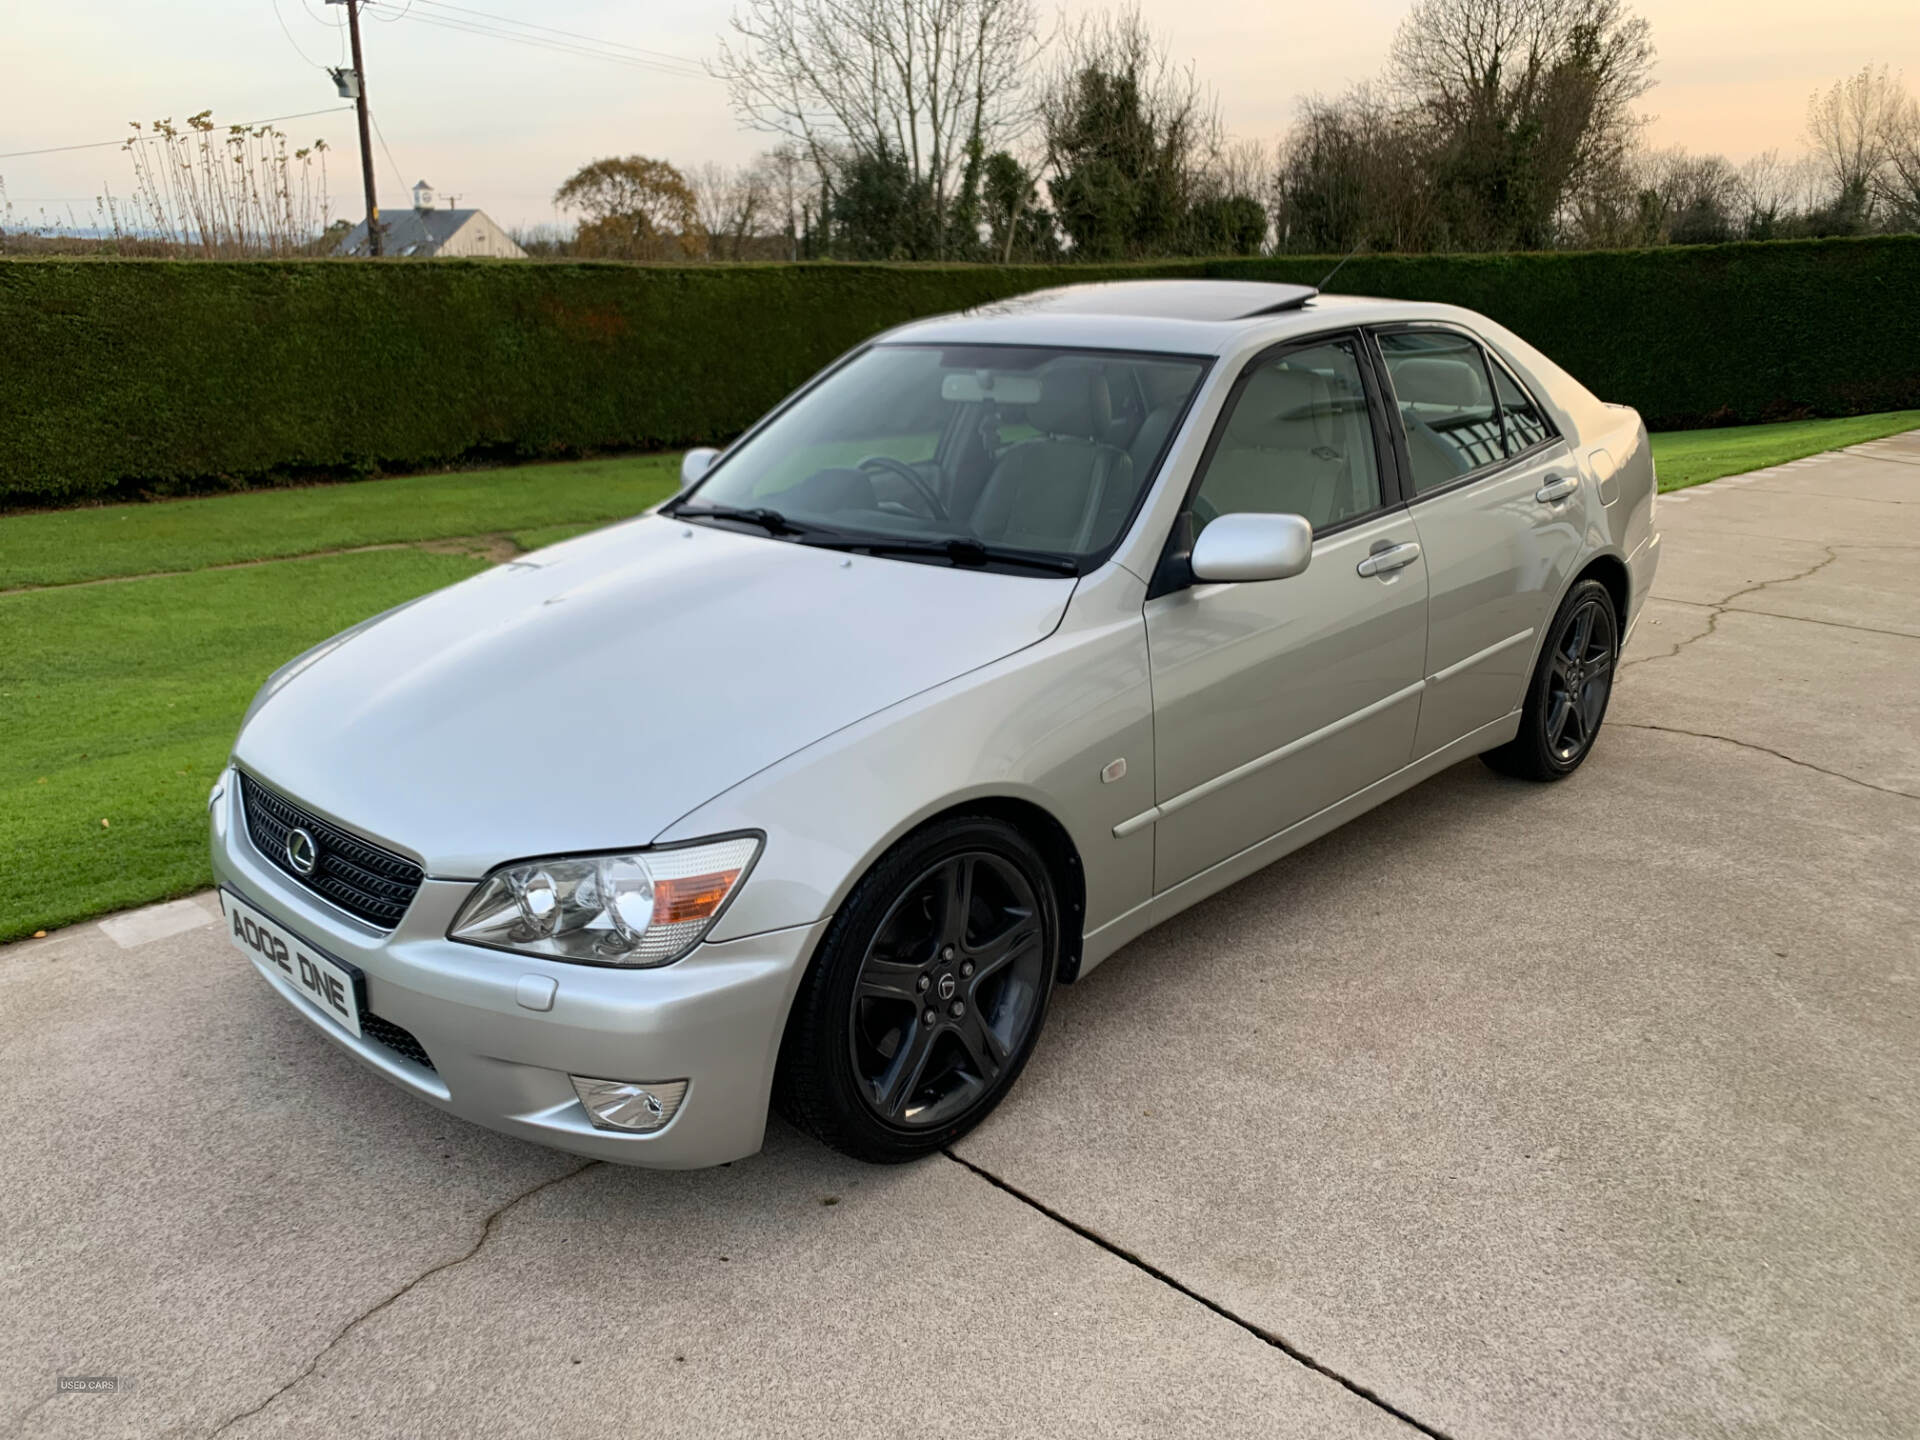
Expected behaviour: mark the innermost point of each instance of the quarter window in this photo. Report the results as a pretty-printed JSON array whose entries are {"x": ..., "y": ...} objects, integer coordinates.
[
  {"x": 1297, "y": 441},
  {"x": 1525, "y": 426},
  {"x": 1445, "y": 400}
]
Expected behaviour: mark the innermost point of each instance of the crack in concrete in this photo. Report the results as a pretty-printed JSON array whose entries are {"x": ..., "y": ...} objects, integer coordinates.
[
  {"x": 1719, "y": 607},
  {"x": 1146, "y": 1267},
  {"x": 20, "y": 1420},
  {"x": 1782, "y": 615},
  {"x": 1884, "y": 459},
  {"x": 486, "y": 1233},
  {"x": 1767, "y": 750},
  {"x": 1799, "y": 539}
]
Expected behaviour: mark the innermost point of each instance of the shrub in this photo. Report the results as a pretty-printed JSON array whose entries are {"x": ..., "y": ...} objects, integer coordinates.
[{"x": 121, "y": 376}]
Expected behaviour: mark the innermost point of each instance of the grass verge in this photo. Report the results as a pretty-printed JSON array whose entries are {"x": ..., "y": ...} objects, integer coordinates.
[
  {"x": 60, "y": 547},
  {"x": 1693, "y": 457},
  {"x": 121, "y": 704}
]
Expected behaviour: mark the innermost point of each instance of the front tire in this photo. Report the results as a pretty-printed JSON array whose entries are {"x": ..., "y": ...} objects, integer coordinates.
[
  {"x": 927, "y": 994},
  {"x": 1567, "y": 697}
]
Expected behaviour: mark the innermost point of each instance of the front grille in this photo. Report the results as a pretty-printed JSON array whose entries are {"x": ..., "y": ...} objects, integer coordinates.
[
  {"x": 361, "y": 878},
  {"x": 401, "y": 1042}
]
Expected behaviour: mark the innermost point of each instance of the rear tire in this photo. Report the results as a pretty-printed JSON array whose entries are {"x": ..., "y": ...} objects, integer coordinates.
[
  {"x": 1567, "y": 697},
  {"x": 927, "y": 994}
]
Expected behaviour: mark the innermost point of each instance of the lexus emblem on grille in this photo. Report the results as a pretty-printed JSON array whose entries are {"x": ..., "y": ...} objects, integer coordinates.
[{"x": 302, "y": 854}]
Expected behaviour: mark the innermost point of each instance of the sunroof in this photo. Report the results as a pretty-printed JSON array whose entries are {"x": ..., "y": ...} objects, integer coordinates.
[{"x": 1159, "y": 299}]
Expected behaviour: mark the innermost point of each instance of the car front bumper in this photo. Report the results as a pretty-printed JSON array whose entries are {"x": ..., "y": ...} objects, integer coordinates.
[{"x": 713, "y": 1019}]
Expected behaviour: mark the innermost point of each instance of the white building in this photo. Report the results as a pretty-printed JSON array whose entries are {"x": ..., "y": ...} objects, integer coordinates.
[{"x": 426, "y": 231}]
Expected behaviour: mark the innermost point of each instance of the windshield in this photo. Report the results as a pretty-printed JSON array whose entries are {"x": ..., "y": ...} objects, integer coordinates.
[{"x": 977, "y": 451}]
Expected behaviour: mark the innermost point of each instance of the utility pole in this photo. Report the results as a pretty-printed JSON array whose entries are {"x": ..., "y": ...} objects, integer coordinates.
[{"x": 366, "y": 141}]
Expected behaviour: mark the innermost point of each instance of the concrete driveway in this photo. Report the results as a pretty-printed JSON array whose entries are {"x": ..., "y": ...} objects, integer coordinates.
[{"x": 1580, "y": 1110}]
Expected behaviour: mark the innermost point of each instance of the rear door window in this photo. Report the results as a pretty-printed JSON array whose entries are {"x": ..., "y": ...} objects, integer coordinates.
[{"x": 1446, "y": 406}]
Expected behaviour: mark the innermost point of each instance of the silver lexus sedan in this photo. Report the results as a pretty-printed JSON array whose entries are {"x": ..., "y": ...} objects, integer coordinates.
[{"x": 1012, "y": 634}]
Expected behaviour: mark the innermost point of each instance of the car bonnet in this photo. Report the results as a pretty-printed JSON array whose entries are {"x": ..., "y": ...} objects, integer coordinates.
[{"x": 585, "y": 697}]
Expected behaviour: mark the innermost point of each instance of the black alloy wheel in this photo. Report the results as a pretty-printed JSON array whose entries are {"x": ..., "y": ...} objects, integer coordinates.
[
  {"x": 927, "y": 996},
  {"x": 1567, "y": 699},
  {"x": 1579, "y": 679},
  {"x": 949, "y": 987}
]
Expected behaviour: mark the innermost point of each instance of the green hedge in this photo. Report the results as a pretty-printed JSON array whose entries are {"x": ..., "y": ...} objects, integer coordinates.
[{"x": 124, "y": 375}]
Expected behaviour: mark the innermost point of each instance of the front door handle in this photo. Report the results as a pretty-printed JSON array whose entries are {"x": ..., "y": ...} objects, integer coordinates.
[
  {"x": 1394, "y": 557},
  {"x": 1558, "y": 487}
]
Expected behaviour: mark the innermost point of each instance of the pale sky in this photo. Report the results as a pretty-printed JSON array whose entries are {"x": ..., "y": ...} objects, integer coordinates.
[{"x": 501, "y": 125}]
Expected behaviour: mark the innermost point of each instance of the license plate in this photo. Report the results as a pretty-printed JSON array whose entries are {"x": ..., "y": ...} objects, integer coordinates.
[{"x": 334, "y": 987}]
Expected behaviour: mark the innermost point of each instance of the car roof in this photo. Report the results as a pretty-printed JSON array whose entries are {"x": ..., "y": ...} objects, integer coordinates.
[
  {"x": 1191, "y": 317},
  {"x": 1158, "y": 299}
]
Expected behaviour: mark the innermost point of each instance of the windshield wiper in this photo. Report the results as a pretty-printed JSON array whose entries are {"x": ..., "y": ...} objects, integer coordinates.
[
  {"x": 957, "y": 550},
  {"x": 771, "y": 521}
]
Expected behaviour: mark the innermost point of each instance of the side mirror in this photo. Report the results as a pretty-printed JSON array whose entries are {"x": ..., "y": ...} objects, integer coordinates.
[
  {"x": 1251, "y": 546},
  {"x": 696, "y": 463}
]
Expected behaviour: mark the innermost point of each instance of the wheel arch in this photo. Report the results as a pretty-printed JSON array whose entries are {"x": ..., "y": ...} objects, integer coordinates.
[
  {"x": 1057, "y": 850},
  {"x": 1611, "y": 571},
  {"x": 1042, "y": 830}
]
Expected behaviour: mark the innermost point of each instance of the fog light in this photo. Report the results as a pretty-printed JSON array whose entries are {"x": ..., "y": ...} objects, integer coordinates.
[{"x": 640, "y": 1106}]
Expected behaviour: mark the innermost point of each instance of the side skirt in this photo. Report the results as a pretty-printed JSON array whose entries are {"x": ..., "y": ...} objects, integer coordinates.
[{"x": 1101, "y": 943}]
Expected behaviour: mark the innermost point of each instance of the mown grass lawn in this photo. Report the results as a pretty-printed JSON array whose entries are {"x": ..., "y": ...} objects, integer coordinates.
[
  {"x": 119, "y": 698},
  {"x": 122, "y": 700},
  {"x": 1692, "y": 457},
  {"x": 58, "y": 547},
  {"x": 121, "y": 684}
]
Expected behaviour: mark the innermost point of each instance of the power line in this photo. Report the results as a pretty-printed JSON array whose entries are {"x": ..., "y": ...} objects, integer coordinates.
[
  {"x": 594, "y": 40},
  {"x": 559, "y": 47},
  {"x": 236, "y": 125},
  {"x": 671, "y": 65},
  {"x": 400, "y": 178},
  {"x": 290, "y": 40}
]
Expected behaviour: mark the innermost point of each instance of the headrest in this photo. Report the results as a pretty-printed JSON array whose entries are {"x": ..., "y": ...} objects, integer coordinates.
[
  {"x": 1073, "y": 401},
  {"x": 1454, "y": 383},
  {"x": 1280, "y": 409}
]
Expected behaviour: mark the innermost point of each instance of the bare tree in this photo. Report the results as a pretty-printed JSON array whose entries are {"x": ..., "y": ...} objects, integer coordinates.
[
  {"x": 1849, "y": 126},
  {"x": 927, "y": 82},
  {"x": 1900, "y": 176},
  {"x": 1354, "y": 171},
  {"x": 1240, "y": 167},
  {"x": 733, "y": 205},
  {"x": 793, "y": 194},
  {"x": 1777, "y": 192},
  {"x": 1696, "y": 199},
  {"x": 1526, "y": 101}
]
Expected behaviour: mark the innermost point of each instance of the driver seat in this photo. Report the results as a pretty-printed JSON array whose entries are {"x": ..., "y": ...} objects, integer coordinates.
[{"x": 1050, "y": 493}]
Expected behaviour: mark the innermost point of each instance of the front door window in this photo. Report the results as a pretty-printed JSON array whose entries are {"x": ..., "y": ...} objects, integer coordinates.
[{"x": 1297, "y": 441}]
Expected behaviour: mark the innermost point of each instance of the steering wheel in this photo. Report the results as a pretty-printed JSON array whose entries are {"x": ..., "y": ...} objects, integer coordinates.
[{"x": 913, "y": 477}]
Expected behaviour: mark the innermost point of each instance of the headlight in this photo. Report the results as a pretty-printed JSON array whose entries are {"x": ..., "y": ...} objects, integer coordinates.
[{"x": 643, "y": 908}]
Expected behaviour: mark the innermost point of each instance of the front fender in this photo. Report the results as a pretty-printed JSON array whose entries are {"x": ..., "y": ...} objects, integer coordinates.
[{"x": 1041, "y": 725}]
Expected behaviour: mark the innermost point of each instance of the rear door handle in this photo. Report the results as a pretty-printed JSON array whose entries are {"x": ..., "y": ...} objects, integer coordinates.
[
  {"x": 1394, "y": 557},
  {"x": 1558, "y": 487}
]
